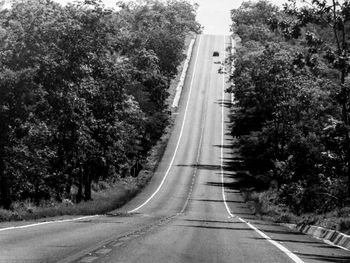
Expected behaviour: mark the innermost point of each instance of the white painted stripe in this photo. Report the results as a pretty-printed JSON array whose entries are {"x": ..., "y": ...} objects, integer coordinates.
[
  {"x": 290, "y": 254},
  {"x": 47, "y": 222},
  {"x": 179, "y": 139}
]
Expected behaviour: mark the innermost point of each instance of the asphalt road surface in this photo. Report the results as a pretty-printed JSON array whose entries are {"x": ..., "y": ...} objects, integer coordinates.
[{"x": 190, "y": 211}]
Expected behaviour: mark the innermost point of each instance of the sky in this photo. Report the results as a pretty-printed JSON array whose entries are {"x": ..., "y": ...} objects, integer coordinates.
[{"x": 214, "y": 15}]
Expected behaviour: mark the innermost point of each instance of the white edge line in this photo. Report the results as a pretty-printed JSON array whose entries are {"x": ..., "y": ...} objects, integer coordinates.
[
  {"x": 179, "y": 139},
  {"x": 290, "y": 254},
  {"x": 46, "y": 223}
]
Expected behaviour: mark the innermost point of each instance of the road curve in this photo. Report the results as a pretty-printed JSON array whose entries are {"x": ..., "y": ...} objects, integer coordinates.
[{"x": 195, "y": 216}]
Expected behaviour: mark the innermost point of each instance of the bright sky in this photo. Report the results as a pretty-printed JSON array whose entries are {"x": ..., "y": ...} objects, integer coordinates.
[{"x": 214, "y": 15}]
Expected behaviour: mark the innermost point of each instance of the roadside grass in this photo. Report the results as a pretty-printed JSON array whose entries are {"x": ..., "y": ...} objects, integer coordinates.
[
  {"x": 261, "y": 203},
  {"x": 105, "y": 196},
  {"x": 103, "y": 201}
]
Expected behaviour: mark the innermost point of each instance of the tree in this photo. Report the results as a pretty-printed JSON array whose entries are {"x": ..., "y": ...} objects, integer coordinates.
[
  {"x": 251, "y": 20},
  {"x": 336, "y": 17}
]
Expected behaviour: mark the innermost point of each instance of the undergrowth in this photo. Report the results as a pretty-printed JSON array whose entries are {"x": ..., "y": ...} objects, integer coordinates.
[
  {"x": 105, "y": 196},
  {"x": 103, "y": 201},
  {"x": 263, "y": 205}
]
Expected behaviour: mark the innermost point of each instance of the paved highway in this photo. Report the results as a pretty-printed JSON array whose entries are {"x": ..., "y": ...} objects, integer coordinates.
[{"x": 190, "y": 211}]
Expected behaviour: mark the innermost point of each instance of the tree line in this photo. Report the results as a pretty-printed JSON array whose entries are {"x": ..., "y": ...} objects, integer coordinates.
[
  {"x": 83, "y": 91},
  {"x": 291, "y": 85}
]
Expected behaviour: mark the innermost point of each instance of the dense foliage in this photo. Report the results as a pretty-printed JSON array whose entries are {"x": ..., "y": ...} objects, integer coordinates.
[
  {"x": 83, "y": 91},
  {"x": 291, "y": 90}
]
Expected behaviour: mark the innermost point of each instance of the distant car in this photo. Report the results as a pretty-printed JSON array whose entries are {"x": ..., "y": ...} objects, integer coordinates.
[{"x": 215, "y": 53}]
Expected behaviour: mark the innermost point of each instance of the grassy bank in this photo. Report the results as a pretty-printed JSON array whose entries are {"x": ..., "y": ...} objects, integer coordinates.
[{"x": 106, "y": 196}]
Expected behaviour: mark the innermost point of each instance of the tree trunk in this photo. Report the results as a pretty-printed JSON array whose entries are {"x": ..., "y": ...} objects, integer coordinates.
[
  {"x": 346, "y": 123},
  {"x": 347, "y": 146},
  {"x": 87, "y": 187},
  {"x": 80, "y": 188},
  {"x": 5, "y": 199}
]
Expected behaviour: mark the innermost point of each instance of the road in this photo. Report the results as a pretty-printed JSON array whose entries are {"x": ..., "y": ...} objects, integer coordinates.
[{"x": 190, "y": 210}]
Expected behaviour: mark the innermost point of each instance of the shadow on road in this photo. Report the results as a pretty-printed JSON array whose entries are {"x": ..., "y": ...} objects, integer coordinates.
[
  {"x": 291, "y": 241},
  {"x": 201, "y": 166},
  {"x": 209, "y": 221},
  {"x": 224, "y": 103},
  {"x": 205, "y": 167},
  {"x": 217, "y": 201},
  {"x": 219, "y": 227},
  {"x": 325, "y": 258}
]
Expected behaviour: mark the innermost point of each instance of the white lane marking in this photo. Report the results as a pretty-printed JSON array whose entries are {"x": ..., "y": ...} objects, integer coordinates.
[
  {"x": 290, "y": 254},
  {"x": 179, "y": 139},
  {"x": 46, "y": 223}
]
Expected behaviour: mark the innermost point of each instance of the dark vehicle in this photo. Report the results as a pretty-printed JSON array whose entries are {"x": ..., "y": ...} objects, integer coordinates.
[{"x": 215, "y": 54}]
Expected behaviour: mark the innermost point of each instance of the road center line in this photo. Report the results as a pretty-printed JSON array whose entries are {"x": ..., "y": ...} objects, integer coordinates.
[
  {"x": 179, "y": 139},
  {"x": 290, "y": 254}
]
